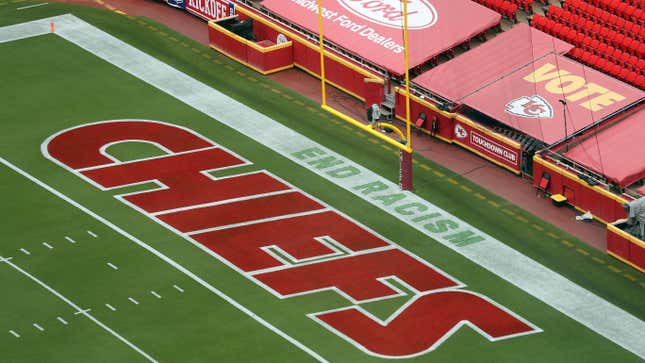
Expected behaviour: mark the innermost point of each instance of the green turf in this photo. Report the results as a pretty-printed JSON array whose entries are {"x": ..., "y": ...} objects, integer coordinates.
[{"x": 52, "y": 85}]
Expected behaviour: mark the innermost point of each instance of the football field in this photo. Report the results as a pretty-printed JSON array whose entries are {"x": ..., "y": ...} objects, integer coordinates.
[{"x": 161, "y": 203}]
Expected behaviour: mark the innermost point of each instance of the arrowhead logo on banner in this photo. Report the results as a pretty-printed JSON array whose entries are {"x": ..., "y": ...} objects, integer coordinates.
[
  {"x": 460, "y": 132},
  {"x": 530, "y": 106},
  {"x": 389, "y": 13}
]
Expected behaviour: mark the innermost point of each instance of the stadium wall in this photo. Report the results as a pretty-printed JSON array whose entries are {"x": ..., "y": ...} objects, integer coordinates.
[
  {"x": 300, "y": 52},
  {"x": 625, "y": 247},
  {"x": 455, "y": 128}
]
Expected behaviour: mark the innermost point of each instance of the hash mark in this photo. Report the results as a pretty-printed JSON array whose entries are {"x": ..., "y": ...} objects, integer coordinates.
[
  {"x": 178, "y": 288},
  {"x": 14, "y": 334},
  {"x": 83, "y": 311},
  {"x": 92, "y": 234},
  {"x": 155, "y": 294},
  {"x": 135, "y": 302},
  {"x": 110, "y": 307},
  {"x": 48, "y": 245},
  {"x": 61, "y": 320},
  {"x": 38, "y": 327},
  {"x": 25, "y": 251},
  {"x": 6, "y": 259},
  {"x": 112, "y": 265},
  {"x": 70, "y": 239}
]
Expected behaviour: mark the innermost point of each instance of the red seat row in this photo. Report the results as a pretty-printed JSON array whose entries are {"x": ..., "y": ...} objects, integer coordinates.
[
  {"x": 504, "y": 7},
  {"x": 584, "y": 8},
  {"x": 608, "y": 67},
  {"x": 619, "y": 7},
  {"x": 588, "y": 29},
  {"x": 605, "y": 19},
  {"x": 615, "y": 54}
]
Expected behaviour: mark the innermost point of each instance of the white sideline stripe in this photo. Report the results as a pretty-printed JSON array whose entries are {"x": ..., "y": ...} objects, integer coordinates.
[
  {"x": 24, "y": 30},
  {"x": 110, "y": 307},
  {"x": 155, "y": 294},
  {"x": 38, "y": 327},
  {"x": 70, "y": 239},
  {"x": 112, "y": 265},
  {"x": 92, "y": 234},
  {"x": 553, "y": 289},
  {"x": 79, "y": 310},
  {"x": 62, "y": 321},
  {"x": 31, "y": 6},
  {"x": 164, "y": 258},
  {"x": 25, "y": 251},
  {"x": 48, "y": 245},
  {"x": 135, "y": 302},
  {"x": 14, "y": 334}
]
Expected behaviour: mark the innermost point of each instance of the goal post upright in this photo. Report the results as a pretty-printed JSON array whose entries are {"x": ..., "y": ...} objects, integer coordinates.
[{"x": 405, "y": 144}]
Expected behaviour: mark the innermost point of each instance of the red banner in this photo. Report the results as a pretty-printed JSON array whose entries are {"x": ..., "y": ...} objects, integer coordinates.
[
  {"x": 211, "y": 9},
  {"x": 487, "y": 145}
]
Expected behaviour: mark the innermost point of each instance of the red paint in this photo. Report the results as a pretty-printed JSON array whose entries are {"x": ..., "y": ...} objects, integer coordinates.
[
  {"x": 240, "y": 211},
  {"x": 357, "y": 275},
  {"x": 241, "y": 245},
  {"x": 424, "y": 323}
]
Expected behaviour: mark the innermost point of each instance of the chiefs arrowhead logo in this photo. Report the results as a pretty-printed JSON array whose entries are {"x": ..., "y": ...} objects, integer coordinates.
[
  {"x": 460, "y": 132},
  {"x": 530, "y": 106}
]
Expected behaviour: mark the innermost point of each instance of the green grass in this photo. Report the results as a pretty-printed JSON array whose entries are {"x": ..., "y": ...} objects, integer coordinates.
[{"x": 51, "y": 85}]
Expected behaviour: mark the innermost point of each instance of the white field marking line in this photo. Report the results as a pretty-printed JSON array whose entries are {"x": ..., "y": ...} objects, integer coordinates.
[
  {"x": 551, "y": 288},
  {"x": 80, "y": 311},
  {"x": 164, "y": 258},
  {"x": 112, "y": 265},
  {"x": 178, "y": 288},
  {"x": 258, "y": 221},
  {"x": 92, "y": 234},
  {"x": 30, "y": 6},
  {"x": 25, "y": 251},
  {"x": 62, "y": 321},
  {"x": 48, "y": 245},
  {"x": 110, "y": 307},
  {"x": 135, "y": 302},
  {"x": 5, "y": 259},
  {"x": 155, "y": 294},
  {"x": 38, "y": 327},
  {"x": 69, "y": 239},
  {"x": 14, "y": 334}
]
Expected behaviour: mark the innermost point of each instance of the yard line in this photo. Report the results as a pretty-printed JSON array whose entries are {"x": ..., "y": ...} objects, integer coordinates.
[
  {"x": 110, "y": 307},
  {"x": 155, "y": 294},
  {"x": 135, "y": 302},
  {"x": 30, "y": 6},
  {"x": 6, "y": 259},
  {"x": 80, "y": 311},
  {"x": 178, "y": 288},
  {"x": 70, "y": 239},
  {"x": 14, "y": 334},
  {"x": 48, "y": 245},
  {"x": 61, "y": 320},
  {"x": 38, "y": 327},
  {"x": 92, "y": 234},
  {"x": 25, "y": 251},
  {"x": 112, "y": 265}
]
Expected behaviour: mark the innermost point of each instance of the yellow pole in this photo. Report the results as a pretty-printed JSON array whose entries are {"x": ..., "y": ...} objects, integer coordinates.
[
  {"x": 322, "y": 54},
  {"x": 407, "y": 73}
]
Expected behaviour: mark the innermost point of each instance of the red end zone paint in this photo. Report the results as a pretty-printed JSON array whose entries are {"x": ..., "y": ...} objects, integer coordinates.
[{"x": 244, "y": 219}]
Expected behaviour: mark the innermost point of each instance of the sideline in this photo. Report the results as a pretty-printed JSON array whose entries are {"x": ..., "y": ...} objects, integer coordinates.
[{"x": 551, "y": 288}]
